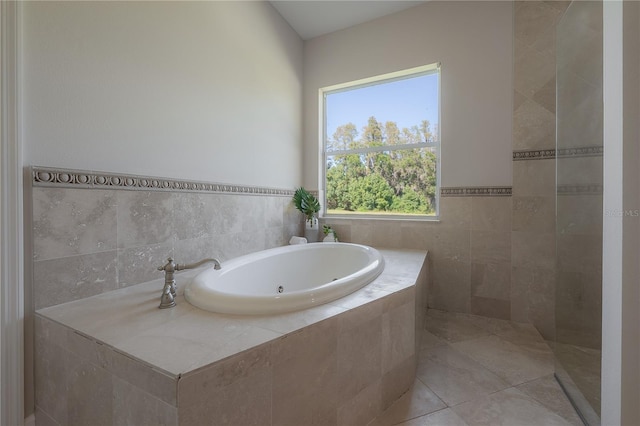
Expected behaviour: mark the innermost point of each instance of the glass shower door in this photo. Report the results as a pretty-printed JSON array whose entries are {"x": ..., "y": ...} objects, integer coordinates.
[{"x": 579, "y": 179}]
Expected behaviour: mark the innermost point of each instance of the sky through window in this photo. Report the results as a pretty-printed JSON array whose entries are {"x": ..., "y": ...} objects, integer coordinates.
[{"x": 406, "y": 102}]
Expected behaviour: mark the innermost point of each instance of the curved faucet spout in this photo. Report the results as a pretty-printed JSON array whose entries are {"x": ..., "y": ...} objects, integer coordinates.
[{"x": 216, "y": 264}]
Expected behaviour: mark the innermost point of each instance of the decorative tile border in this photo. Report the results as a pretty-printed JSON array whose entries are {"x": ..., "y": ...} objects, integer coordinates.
[
  {"x": 583, "y": 189},
  {"x": 476, "y": 191},
  {"x": 548, "y": 154},
  {"x": 581, "y": 151},
  {"x": 538, "y": 154},
  {"x": 65, "y": 178}
]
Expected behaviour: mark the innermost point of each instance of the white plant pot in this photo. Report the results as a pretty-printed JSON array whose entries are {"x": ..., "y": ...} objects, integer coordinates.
[
  {"x": 329, "y": 239},
  {"x": 311, "y": 229}
]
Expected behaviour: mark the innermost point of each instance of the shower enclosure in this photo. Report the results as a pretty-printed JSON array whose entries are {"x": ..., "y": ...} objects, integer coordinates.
[{"x": 579, "y": 182}]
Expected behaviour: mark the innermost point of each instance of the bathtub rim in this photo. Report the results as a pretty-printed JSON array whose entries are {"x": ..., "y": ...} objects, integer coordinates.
[{"x": 279, "y": 304}]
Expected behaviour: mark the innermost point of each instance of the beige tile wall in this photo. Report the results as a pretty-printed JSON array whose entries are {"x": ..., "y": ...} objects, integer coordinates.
[
  {"x": 469, "y": 249},
  {"x": 88, "y": 241}
]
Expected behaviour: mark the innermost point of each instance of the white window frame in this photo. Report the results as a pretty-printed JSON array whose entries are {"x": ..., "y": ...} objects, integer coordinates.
[{"x": 370, "y": 81}]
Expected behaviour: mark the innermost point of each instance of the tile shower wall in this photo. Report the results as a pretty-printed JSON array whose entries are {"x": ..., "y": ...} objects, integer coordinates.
[
  {"x": 88, "y": 241},
  {"x": 469, "y": 248},
  {"x": 580, "y": 181},
  {"x": 534, "y": 127},
  {"x": 533, "y": 244}
]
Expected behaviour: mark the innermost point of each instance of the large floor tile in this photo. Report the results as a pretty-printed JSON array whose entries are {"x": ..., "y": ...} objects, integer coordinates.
[
  {"x": 524, "y": 335},
  {"x": 548, "y": 392},
  {"x": 418, "y": 401},
  {"x": 452, "y": 327},
  {"x": 513, "y": 363},
  {"x": 430, "y": 340},
  {"x": 446, "y": 417},
  {"x": 509, "y": 407},
  {"x": 488, "y": 371},
  {"x": 455, "y": 377},
  {"x": 504, "y": 327}
]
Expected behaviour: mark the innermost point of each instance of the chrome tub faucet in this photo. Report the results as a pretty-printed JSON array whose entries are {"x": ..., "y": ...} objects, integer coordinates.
[{"x": 168, "y": 298}]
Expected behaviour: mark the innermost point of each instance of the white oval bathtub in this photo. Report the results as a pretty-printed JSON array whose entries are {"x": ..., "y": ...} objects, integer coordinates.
[{"x": 285, "y": 278}]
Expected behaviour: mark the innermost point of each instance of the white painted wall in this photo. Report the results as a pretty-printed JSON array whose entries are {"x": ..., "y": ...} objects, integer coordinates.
[
  {"x": 472, "y": 40},
  {"x": 11, "y": 237},
  {"x": 196, "y": 90}
]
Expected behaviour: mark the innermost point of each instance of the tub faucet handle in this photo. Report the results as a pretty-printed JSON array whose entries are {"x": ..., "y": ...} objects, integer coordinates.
[{"x": 170, "y": 266}]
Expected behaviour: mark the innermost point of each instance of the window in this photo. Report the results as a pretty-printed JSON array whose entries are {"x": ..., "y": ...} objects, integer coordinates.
[{"x": 381, "y": 146}]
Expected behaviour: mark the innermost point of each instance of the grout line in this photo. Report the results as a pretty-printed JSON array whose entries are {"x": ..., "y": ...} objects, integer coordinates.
[
  {"x": 421, "y": 416},
  {"x": 74, "y": 255}
]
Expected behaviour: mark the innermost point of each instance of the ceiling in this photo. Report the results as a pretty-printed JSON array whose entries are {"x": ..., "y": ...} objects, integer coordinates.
[{"x": 312, "y": 18}]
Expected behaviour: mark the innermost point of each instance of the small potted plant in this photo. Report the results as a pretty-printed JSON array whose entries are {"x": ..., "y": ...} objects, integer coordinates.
[
  {"x": 330, "y": 234},
  {"x": 309, "y": 205}
]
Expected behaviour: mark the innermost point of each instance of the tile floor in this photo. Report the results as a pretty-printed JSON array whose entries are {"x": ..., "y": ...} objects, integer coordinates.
[{"x": 481, "y": 371}]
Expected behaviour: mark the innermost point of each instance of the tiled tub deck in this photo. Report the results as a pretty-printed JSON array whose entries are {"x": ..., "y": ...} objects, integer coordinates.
[{"x": 116, "y": 358}]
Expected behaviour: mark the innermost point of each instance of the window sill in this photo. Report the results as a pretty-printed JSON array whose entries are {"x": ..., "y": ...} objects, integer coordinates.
[{"x": 396, "y": 218}]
